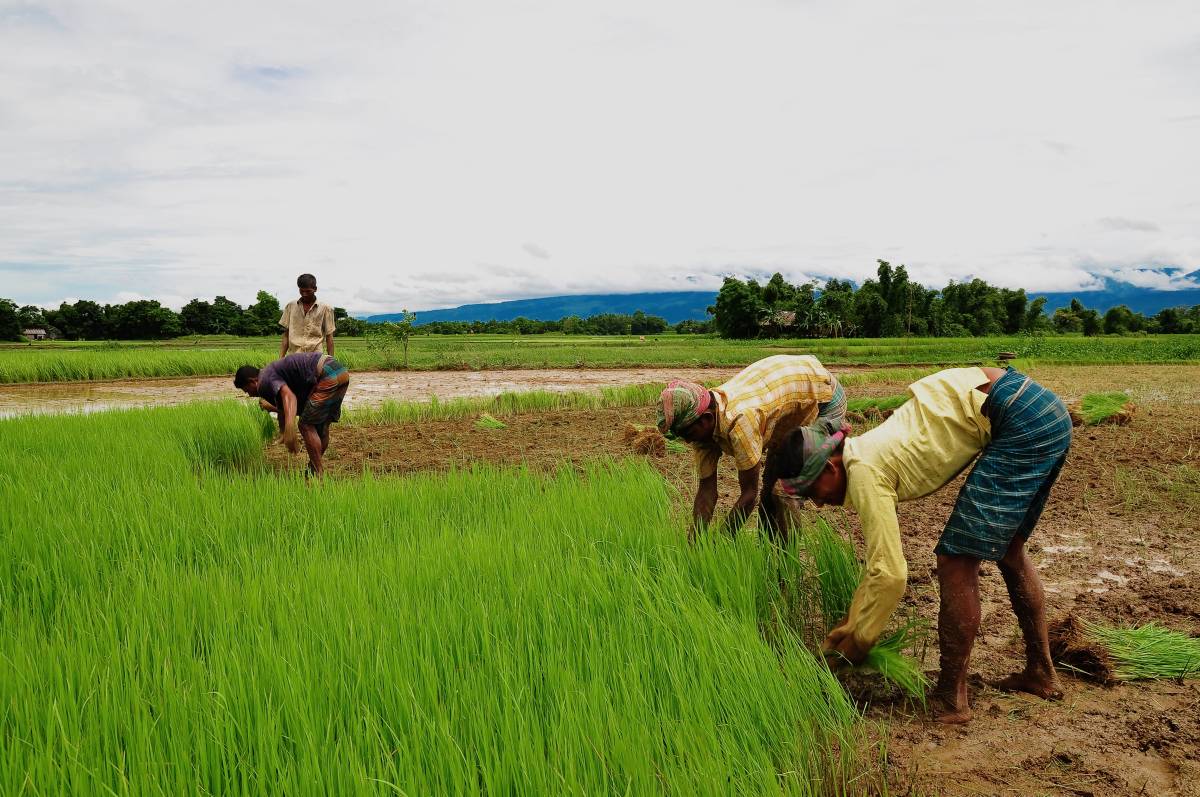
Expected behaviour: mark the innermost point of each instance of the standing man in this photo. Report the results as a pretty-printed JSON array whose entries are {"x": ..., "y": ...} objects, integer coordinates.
[
  {"x": 1024, "y": 432},
  {"x": 744, "y": 417},
  {"x": 307, "y": 322},
  {"x": 306, "y": 389}
]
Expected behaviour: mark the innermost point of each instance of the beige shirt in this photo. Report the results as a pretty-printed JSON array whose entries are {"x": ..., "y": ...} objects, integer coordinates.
[
  {"x": 306, "y": 331},
  {"x": 925, "y": 444}
]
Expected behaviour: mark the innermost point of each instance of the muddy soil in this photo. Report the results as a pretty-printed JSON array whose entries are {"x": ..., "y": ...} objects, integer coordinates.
[{"x": 1116, "y": 544}]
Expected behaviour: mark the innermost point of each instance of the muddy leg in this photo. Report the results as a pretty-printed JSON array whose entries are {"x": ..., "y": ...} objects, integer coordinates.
[
  {"x": 324, "y": 437},
  {"x": 1027, "y": 597},
  {"x": 312, "y": 442},
  {"x": 958, "y": 623}
]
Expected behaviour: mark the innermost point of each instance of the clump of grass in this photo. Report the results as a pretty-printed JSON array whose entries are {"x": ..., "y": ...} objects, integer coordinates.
[
  {"x": 881, "y": 404},
  {"x": 1111, "y": 407},
  {"x": 1148, "y": 652},
  {"x": 838, "y": 574},
  {"x": 487, "y": 421}
]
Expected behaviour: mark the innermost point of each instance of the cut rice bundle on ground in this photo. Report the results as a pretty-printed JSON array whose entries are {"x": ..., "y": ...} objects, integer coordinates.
[
  {"x": 1102, "y": 408},
  {"x": 1107, "y": 654},
  {"x": 645, "y": 440},
  {"x": 487, "y": 421}
]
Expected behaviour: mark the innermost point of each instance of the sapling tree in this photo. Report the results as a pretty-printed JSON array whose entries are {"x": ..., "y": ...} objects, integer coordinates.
[{"x": 384, "y": 337}]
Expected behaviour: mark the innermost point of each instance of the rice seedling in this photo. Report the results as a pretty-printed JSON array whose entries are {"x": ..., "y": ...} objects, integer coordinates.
[
  {"x": 838, "y": 573},
  {"x": 1148, "y": 651},
  {"x": 188, "y": 621},
  {"x": 876, "y": 403},
  {"x": 1114, "y": 407},
  {"x": 486, "y": 421},
  {"x": 73, "y": 361}
]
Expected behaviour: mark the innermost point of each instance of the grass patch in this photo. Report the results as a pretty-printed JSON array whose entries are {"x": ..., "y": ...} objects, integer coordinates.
[
  {"x": 220, "y": 355},
  {"x": 190, "y": 622},
  {"x": 880, "y": 404}
]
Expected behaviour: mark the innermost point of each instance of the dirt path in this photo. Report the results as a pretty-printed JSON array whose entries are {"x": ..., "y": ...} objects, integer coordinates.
[{"x": 1117, "y": 544}]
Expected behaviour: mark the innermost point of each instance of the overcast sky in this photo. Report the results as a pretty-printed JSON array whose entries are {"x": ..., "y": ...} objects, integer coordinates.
[{"x": 422, "y": 155}]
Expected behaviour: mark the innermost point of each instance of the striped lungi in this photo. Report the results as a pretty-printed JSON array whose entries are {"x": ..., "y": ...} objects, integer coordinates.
[
  {"x": 1006, "y": 491},
  {"x": 324, "y": 404}
]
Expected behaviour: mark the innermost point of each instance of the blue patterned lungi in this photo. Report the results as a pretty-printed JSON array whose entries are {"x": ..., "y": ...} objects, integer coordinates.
[{"x": 1007, "y": 489}]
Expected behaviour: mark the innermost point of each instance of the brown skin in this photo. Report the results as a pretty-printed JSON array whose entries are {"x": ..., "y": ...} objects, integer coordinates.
[
  {"x": 701, "y": 431},
  {"x": 308, "y": 298},
  {"x": 958, "y": 617},
  {"x": 315, "y": 441}
]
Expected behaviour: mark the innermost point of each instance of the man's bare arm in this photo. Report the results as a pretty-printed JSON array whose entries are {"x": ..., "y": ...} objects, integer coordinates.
[
  {"x": 288, "y": 421},
  {"x": 748, "y": 482},
  {"x": 705, "y": 504},
  {"x": 329, "y": 344},
  {"x": 283, "y": 346}
]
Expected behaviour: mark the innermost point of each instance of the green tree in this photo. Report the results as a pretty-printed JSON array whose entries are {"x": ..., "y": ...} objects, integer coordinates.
[
  {"x": 739, "y": 309},
  {"x": 196, "y": 318},
  {"x": 262, "y": 317},
  {"x": 10, "y": 327},
  {"x": 384, "y": 338},
  {"x": 31, "y": 316},
  {"x": 144, "y": 319},
  {"x": 226, "y": 317}
]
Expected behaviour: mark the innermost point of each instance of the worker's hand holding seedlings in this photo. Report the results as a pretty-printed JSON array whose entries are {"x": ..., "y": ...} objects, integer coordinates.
[
  {"x": 841, "y": 646},
  {"x": 741, "y": 418}
]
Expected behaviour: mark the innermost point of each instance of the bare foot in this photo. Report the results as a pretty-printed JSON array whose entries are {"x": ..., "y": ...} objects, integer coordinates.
[
  {"x": 1035, "y": 683},
  {"x": 950, "y": 712}
]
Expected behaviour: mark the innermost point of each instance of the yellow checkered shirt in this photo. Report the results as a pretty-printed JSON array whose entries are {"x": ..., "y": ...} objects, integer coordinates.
[{"x": 761, "y": 404}]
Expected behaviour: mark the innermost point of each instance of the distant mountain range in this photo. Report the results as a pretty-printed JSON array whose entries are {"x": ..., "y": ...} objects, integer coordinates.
[{"x": 676, "y": 306}]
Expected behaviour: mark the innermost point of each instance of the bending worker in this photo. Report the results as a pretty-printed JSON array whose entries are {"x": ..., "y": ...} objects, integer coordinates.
[
  {"x": 306, "y": 389},
  {"x": 1024, "y": 432},
  {"x": 744, "y": 417}
]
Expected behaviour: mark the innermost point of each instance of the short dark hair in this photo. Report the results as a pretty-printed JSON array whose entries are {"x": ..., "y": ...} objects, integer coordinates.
[
  {"x": 306, "y": 281},
  {"x": 787, "y": 460},
  {"x": 244, "y": 375}
]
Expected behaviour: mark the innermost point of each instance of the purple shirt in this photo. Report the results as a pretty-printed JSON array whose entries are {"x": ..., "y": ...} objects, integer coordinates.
[{"x": 297, "y": 371}]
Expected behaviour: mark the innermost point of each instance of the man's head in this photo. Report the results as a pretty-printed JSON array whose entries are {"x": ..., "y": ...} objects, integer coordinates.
[
  {"x": 809, "y": 464},
  {"x": 246, "y": 379},
  {"x": 307, "y": 284},
  {"x": 685, "y": 409}
]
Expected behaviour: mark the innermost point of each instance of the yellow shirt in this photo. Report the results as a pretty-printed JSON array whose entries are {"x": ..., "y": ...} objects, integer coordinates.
[
  {"x": 767, "y": 399},
  {"x": 925, "y": 444},
  {"x": 306, "y": 331}
]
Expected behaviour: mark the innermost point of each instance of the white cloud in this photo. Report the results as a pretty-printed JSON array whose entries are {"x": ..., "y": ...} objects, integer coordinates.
[{"x": 422, "y": 154}]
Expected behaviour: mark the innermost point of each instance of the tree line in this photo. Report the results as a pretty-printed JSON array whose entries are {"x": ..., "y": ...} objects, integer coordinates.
[
  {"x": 148, "y": 319},
  {"x": 891, "y": 305}
]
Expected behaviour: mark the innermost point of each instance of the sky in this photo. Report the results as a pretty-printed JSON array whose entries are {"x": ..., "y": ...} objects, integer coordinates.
[{"x": 430, "y": 154}]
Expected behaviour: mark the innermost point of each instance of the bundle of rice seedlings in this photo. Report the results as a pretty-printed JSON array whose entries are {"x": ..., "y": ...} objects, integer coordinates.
[
  {"x": 1149, "y": 651},
  {"x": 838, "y": 574},
  {"x": 645, "y": 440},
  {"x": 488, "y": 421},
  {"x": 1096, "y": 408}
]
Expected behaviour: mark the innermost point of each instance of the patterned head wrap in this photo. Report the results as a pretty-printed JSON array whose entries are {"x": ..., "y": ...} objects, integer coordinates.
[
  {"x": 680, "y": 404},
  {"x": 817, "y": 445}
]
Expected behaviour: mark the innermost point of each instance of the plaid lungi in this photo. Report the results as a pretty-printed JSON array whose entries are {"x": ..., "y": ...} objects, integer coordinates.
[
  {"x": 1006, "y": 491},
  {"x": 324, "y": 404}
]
